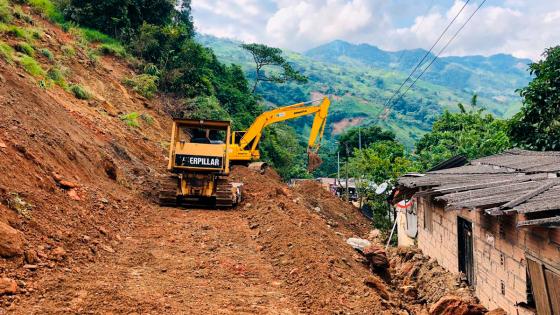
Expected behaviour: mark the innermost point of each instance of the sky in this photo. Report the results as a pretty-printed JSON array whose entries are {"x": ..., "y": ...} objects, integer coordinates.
[{"x": 523, "y": 28}]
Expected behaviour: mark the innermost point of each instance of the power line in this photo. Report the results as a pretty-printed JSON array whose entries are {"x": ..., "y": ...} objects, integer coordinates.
[
  {"x": 442, "y": 50},
  {"x": 419, "y": 26},
  {"x": 426, "y": 55}
]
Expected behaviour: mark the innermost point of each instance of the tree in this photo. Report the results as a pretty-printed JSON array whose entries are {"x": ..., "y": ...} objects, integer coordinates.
[
  {"x": 468, "y": 133},
  {"x": 369, "y": 135},
  {"x": 537, "y": 125},
  {"x": 265, "y": 56}
]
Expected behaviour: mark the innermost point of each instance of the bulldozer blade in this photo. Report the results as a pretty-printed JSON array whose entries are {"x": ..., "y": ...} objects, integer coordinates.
[{"x": 313, "y": 161}]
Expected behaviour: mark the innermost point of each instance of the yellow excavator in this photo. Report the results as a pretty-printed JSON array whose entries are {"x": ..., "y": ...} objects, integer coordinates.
[{"x": 201, "y": 153}]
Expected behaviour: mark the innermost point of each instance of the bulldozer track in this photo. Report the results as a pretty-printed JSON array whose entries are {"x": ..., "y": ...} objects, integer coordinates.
[
  {"x": 168, "y": 191},
  {"x": 223, "y": 194}
]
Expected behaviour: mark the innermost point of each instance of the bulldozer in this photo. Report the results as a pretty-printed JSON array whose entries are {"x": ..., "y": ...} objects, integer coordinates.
[{"x": 202, "y": 152}]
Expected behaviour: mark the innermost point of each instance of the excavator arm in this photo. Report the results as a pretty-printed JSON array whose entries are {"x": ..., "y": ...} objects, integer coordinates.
[{"x": 251, "y": 138}]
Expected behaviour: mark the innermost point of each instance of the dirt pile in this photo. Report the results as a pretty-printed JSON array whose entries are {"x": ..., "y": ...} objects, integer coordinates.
[{"x": 307, "y": 246}]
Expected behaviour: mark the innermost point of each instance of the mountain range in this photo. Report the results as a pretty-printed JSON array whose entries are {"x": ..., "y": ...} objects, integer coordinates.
[{"x": 361, "y": 79}]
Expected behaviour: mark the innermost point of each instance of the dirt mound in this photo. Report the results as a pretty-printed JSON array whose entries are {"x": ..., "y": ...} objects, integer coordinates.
[{"x": 307, "y": 247}]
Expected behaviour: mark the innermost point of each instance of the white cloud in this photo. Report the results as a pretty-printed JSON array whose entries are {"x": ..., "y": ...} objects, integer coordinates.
[{"x": 521, "y": 28}]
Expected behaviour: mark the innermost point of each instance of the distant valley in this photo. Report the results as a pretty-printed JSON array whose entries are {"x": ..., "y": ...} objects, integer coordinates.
[{"x": 361, "y": 78}]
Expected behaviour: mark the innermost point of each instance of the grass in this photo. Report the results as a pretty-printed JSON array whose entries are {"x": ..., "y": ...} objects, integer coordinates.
[
  {"x": 113, "y": 49},
  {"x": 20, "y": 15},
  {"x": 19, "y": 32},
  {"x": 58, "y": 77},
  {"x": 144, "y": 84},
  {"x": 46, "y": 9},
  {"x": 5, "y": 12},
  {"x": 31, "y": 66},
  {"x": 131, "y": 119},
  {"x": 25, "y": 48},
  {"x": 68, "y": 51},
  {"x": 80, "y": 92},
  {"x": 47, "y": 53},
  {"x": 6, "y": 52},
  {"x": 148, "y": 119}
]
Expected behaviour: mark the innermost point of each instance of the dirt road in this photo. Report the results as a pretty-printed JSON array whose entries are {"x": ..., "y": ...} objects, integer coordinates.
[{"x": 175, "y": 262}]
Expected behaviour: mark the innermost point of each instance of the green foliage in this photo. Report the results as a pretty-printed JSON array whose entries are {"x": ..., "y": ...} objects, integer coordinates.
[
  {"x": 25, "y": 48},
  {"x": 143, "y": 84},
  {"x": 20, "y": 15},
  {"x": 47, "y": 53},
  {"x": 472, "y": 134},
  {"x": 47, "y": 9},
  {"x": 68, "y": 51},
  {"x": 5, "y": 11},
  {"x": 264, "y": 57},
  {"x": 280, "y": 147},
  {"x": 112, "y": 49},
  {"x": 537, "y": 126},
  {"x": 205, "y": 107},
  {"x": 122, "y": 19},
  {"x": 80, "y": 92},
  {"x": 31, "y": 66},
  {"x": 369, "y": 135},
  {"x": 19, "y": 32},
  {"x": 382, "y": 162},
  {"x": 6, "y": 52},
  {"x": 131, "y": 119},
  {"x": 58, "y": 77},
  {"x": 147, "y": 118}
]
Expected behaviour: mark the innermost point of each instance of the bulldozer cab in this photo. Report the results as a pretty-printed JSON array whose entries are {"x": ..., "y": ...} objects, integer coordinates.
[{"x": 199, "y": 146}]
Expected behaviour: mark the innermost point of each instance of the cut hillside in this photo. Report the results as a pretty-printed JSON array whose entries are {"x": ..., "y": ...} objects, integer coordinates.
[{"x": 80, "y": 232}]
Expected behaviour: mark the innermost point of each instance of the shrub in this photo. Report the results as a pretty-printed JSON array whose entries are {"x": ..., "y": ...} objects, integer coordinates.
[
  {"x": 79, "y": 92},
  {"x": 131, "y": 119},
  {"x": 5, "y": 12},
  {"x": 95, "y": 36},
  {"x": 25, "y": 48},
  {"x": 152, "y": 69},
  {"x": 68, "y": 51},
  {"x": 31, "y": 66},
  {"x": 19, "y": 32},
  {"x": 57, "y": 76},
  {"x": 6, "y": 52},
  {"x": 112, "y": 49},
  {"x": 93, "y": 56},
  {"x": 144, "y": 84},
  {"x": 47, "y": 53},
  {"x": 47, "y": 9}
]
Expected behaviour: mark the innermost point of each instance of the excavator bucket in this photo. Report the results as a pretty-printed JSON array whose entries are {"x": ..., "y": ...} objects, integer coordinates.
[
  {"x": 313, "y": 161},
  {"x": 259, "y": 167}
]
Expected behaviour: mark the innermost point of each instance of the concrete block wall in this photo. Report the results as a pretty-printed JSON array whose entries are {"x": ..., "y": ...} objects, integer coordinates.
[{"x": 499, "y": 256}]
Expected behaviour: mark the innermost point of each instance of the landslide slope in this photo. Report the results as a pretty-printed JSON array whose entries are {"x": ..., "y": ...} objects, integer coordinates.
[{"x": 77, "y": 181}]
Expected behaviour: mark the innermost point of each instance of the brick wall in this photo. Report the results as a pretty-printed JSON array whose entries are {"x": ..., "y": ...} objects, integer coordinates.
[{"x": 499, "y": 252}]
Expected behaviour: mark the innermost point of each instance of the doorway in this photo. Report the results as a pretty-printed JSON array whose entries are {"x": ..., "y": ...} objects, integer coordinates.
[{"x": 466, "y": 256}]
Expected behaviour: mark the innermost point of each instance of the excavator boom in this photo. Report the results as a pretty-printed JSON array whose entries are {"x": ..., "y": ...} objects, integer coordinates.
[{"x": 245, "y": 144}]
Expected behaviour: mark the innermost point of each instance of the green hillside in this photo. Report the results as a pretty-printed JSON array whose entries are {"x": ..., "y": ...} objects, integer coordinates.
[{"x": 360, "y": 79}]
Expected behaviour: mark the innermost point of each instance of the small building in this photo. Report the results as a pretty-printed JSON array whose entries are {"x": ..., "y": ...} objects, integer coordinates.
[{"x": 497, "y": 221}]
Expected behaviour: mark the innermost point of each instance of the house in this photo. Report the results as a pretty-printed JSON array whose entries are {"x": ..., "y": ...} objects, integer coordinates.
[{"x": 497, "y": 221}]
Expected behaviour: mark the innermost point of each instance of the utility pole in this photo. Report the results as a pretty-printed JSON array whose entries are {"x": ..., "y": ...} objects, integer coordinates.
[
  {"x": 360, "y": 137},
  {"x": 347, "y": 160}
]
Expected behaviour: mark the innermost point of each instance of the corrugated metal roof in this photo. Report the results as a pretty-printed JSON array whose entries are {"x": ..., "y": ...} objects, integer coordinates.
[{"x": 518, "y": 182}]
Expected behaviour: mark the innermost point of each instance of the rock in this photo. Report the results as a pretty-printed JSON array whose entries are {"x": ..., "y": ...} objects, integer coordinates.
[
  {"x": 67, "y": 184},
  {"x": 410, "y": 291},
  {"x": 73, "y": 194},
  {"x": 31, "y": 256},
  {"x": 358, "y": 243},
  {"x": 253, "y": 226},
  {"x": 57, "y": 177},
  {"x": 378, "y": 285},
  {"x": 30, "y": 267},
  {"x": 376, "y": 256},
  {"x": 107, "y": 248},
  {"x": 8, "y": 286},
  {"x": 498, "y": 311},
  {"x": 3, "y": 145},
  {"x": 317, "y": 209},
  {"x": 58, "y": 254},
  {"x": 373, "y": 234},
  {"x": 11, "y": 241},
  {"x": 454, "y": 305},
  {"x": 104, "y": 200},
  {"x": 103, "y": 231}
]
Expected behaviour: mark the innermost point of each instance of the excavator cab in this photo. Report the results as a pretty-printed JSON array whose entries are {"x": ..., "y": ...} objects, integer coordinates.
[{"x": 200, "y": 166}]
